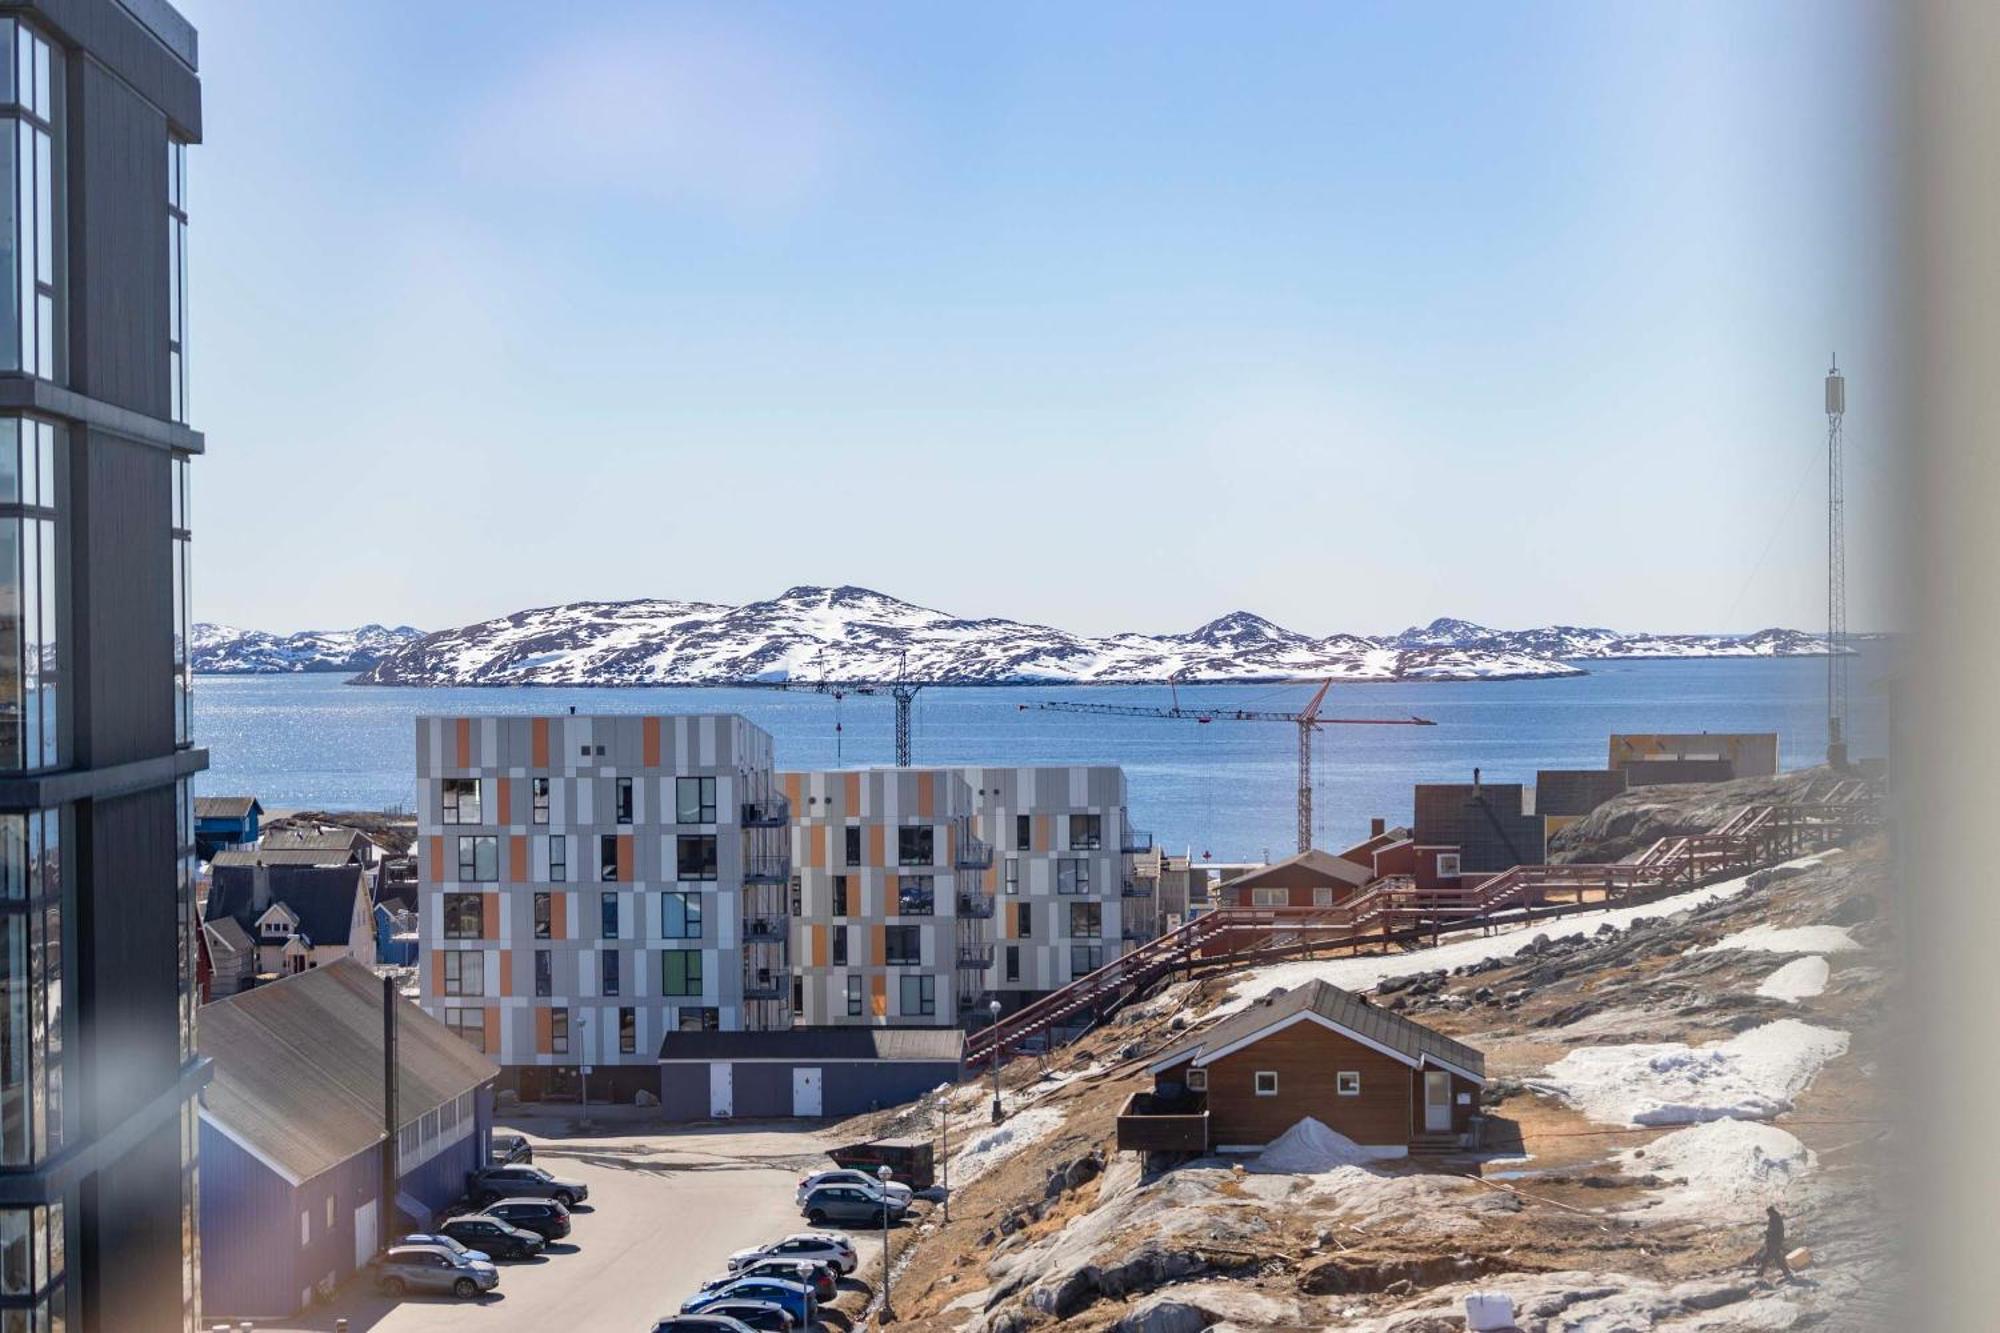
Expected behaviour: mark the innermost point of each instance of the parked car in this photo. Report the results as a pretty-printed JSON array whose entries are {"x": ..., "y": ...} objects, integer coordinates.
[
  {"x": 431, "y": 1268},
  {"x": 456, "y": 1246},
  {"x": 848, "y": 1203},
  {"x": 821, "y": 1247},
  {"x": 796, "y": 1300},
  {"x": 545, "y": 1217},
  {"x": 701, "y": 1323},
  {"x": 817, "y": 1276},
  {"x": 500, "y": 1240},
  {"x": 760, "y": 1315},
  {"x": 511, "y": 1150},
  {"x": 526, "y": 1182},
  {"x": 895, "y": 1189}
]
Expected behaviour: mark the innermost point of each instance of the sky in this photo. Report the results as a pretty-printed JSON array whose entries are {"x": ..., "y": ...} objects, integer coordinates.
[{"x": 1112, "y": 317}]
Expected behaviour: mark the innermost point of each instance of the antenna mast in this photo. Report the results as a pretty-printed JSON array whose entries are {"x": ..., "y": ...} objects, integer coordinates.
[{"x": 1836, "y": 572}]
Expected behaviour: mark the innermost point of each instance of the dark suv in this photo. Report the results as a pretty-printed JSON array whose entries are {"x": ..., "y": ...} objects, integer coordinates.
[
  {"x": 496, "y": 1238},
  {"x": 526, "y": 1182},
  {"x": 511, "y": 1150},
  {"x": 545, "y": 1217},
  {"x": 847, "y": 1203}
]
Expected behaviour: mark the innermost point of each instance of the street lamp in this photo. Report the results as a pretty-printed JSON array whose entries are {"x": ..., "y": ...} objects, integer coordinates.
[
  {"x": 583, "y": 1065},
  {"x": 993, "y": 1054},
  {"x": 883, "y": 1173}
]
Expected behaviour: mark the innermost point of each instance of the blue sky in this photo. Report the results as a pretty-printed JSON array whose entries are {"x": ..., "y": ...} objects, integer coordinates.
[{"x": 1108, "y": 316}]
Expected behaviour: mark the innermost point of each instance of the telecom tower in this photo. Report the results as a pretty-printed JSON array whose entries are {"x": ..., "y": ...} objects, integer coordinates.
[{"x": 1836, "y": 573}]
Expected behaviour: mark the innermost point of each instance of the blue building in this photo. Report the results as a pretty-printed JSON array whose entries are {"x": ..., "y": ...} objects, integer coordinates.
[
  {"x": 395, "y": 937},
  {"x": 222, "y": 822},
  {"x": 292, "y": 1141}
]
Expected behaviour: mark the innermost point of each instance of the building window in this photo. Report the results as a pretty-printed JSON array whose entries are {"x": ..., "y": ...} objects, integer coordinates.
[
  {"x": 694, "y": 856},
  {"x": 1323, "y": 895},
  {"x": 694, "y": 800},
  {"x": 1448, "y": 865},
  {"x": 919, "y": 996},
  {"x": 1086, "y": 920},
  {"x": 608, "y": 972},
  {"x": 558, "y": 858},
  {"x": 183, "y": 542},
  {"x": 628, "y": 1031},
  {"x": 464, "y": 972},
  {"x": 1024, "y": 832},
  {"x": 680, "y": 916},
  {"x": 1347, "y": 1083},
  {"x": 1085, "y": 959},
  {"x": 545, "y": 973},
  {"x": 186, "y": 910},
  {"x": 32, "y": 579},
  {"x": 915, "y": 895},
  {"x": 914, "y": 846},
  {"x": 1269, "y": 897},
  {"x": 840, "y": 946},
  {"x": 31, "y": 988},
  {"x": 1024, "y": 919},
  {"x": 465, "y": 916},
  {"x": 1086, "y": 832},
  {"x": 31, "y": 1267},
  {"x": 468, "y": 1025},
  {"x": 839, "y": 895},
  {"x": 478, "y": 858},
  {"x": 697, "y": 1018},
  {"x": 1013, "y": 875},
  {"x": 461, "y": 801},
  {"x": 177, "y": 262},
  {"x": 538, "y": 789},
  {"x": 31, "y": 337},
  {"x": 852, "y": 834},
  {"x": 607, "y": 916},
  {"x": 559, "y": 1031},
  {"x": 902, "y": 946},
  {"x": 680, "y": 972},
  {"x": 1267, "y": 1083},
  {"x": 1073, "y": 875},
  {"x": 1013, "y": 962},
  {"x": 607, "y": 858},
  {"x": 1197, "y": 1080},
  {"x": 854, "y": 997},
  {"x": 624, "y": 798},
  {"x": 544, "y": 914}
]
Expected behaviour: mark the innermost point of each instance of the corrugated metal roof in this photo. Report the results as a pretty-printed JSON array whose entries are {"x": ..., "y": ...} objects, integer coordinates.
[
  {"x": 228, "y": 934},
  {"x": 903, "y": 1044},
  {"x": 300, "y": 839},
  {"x": 298, "y": 1066},
  {"x": 1343, "y": 1009},
  {"x": 224, "y": 807},
  {"x": 1315, "y": 861},
  {"x": 286, "y": 856}
]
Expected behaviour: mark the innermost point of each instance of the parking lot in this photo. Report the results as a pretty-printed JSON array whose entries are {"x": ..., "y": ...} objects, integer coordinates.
[{"x": 665, "y": 1211}]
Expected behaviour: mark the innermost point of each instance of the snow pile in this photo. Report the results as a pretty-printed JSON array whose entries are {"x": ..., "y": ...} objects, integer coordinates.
[
  {"x": 1733, "y": 1168},
  {"x": 1787, "y": 939},
  {"x": 1309, "y": 1148},
  {"x": 1800, "y": 979},
  {"x": 1754, "y": 1075},
  {"x": 1001, "y": 1142}
]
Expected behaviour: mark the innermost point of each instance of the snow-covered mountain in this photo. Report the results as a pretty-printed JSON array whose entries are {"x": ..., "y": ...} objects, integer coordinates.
[
  {"x": 1577, "y": 643},
  {"x": 225, "y": 650}
]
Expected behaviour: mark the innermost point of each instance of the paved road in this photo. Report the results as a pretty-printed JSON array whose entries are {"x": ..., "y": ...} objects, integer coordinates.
[{"x": 664, "y": 1212}]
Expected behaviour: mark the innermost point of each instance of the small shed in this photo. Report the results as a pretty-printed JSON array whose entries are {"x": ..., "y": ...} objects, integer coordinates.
[
  {"x": 804, "y": 1072},
  {"x": 225, "y": 821},
  {"x": 1388, "y": 1083},
  {"x": 1311, "y": 878}
]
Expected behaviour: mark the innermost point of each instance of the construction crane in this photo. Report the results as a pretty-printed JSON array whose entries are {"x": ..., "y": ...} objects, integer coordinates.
[
  {"x": 902, "y": 690},
  {"x": 1307, "y": 719}
]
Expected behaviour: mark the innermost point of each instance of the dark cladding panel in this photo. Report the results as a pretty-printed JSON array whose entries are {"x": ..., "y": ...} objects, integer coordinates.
[
  {"x": 1484, "y": 822},
  {"x": 1576, "y": 791},
  {"x": 127, "y": 979},
  {"x": 122, "y": 599}
]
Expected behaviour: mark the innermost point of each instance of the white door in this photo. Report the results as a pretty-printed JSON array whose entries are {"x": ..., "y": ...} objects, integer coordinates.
[
  {"x": 721, "y": 1090},
  {"x": 1437, "y": 1102},
  {"x": 364, "y": 1234},
  {"x": 805, "y": 1092}
]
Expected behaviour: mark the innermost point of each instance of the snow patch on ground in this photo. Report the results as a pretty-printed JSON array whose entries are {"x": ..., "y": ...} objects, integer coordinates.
[
  {"x": 1752, "y": 1076},
  {"x": 997, "y": 1144},
  {"x": 1734, "y": 1168},
  {"x": 1800, "y": 979},
  {"x": 1309, "y": 1148},
  {"x": 1787, "y": 939}
]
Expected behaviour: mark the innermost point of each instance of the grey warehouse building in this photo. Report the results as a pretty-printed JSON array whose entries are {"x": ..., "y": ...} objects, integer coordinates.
[{"x": 808, "y": 1072}]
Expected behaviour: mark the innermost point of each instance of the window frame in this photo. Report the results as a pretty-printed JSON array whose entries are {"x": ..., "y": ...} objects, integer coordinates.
[
  {"x": 607, "y": 914},
  {"x": 609, "y": 973},
  {"x": 454, "y": 973},
  {"x": 470, "y": 869},
  {"x": 558, "y": 858},
  {"x": 455, "y": 904},
  {"x": 542, "y": 915},
  {"x": 855, "y": 998},
  {"x": 926, "y": 995},
  {"x": 623, "y": 802},
  {"x": 691, "y": 912},
  {"x": 452, "y": 803},
  {"x": 1077, "y": 868},
  {"x": 692, "y": 974},
  {"x": 1257, "y": 1083},
  {"x": 916, "y": 895},
  {"x": 1347, "y": 1083},
  {"x": 683, "y": 865},
  {"x": 703, "y": 804},
  {"x": 538, "y": 794},
  {"x": 1086, "y": 832},
  {"x": 1197, "y": 1080},
  {"x": 891, "y": 957}
]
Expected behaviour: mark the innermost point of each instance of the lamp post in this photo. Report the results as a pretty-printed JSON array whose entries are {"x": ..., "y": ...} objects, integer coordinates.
[
  {"x": 583, "y": 1065},
  {"x": 944, "y": 1127},
  {"x": 883, "y": 1173},
  {"x": 993, "y": 1054}
]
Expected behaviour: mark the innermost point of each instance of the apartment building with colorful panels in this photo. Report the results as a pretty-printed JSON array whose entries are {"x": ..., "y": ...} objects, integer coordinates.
[
  {"x": 1068, "y": 893},
  {"x": 890, "y": 907},
  {"x": 590, "y": 883}
]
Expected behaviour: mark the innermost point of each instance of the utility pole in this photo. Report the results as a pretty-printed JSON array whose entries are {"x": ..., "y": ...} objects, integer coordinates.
[
  {"x": 1836, "y": 571},
  {"x": 391, "y": 1168}
]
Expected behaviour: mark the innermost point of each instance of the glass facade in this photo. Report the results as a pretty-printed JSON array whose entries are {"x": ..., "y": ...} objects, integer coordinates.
[
  {"x": 31, "y": 569},
  {"x": 30, "y": 100},
  {"x": 32, "y": 1269},
  {"x": 177, "y": 309},
  {"x": 186, "y": 917},
  {"x": 32, "y": 1049},
  {"x": 190, "y": 1223},
  {"x": 183, "y": 522}
]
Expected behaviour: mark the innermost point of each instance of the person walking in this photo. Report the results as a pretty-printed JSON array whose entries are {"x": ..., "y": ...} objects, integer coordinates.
[{"x": 1773, "y": 1252}]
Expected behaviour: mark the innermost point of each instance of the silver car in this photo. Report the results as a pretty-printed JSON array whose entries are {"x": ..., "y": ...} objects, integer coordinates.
[
  {"x": 818, "y": 1247},
  {"x": 431, "y": 1268}
]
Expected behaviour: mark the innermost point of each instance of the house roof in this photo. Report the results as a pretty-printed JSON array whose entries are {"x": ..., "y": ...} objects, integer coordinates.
[
  {"x": 226, "y": 807},
  {"x": 228, "y": 936},
  {"x": 896, "y": 1044},
  {"x": 312, "y": 839},
  {"x": 298, "y": 1067},
  {"x": 286, "y": 856},
  {"x": 321, "y": 897},
  {"x": 1394, "y": 1035},
  {"x": 1308, "y": 864}
]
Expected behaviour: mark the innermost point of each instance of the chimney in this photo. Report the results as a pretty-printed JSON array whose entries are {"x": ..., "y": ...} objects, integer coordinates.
[{"x": 1377, "y": 827}]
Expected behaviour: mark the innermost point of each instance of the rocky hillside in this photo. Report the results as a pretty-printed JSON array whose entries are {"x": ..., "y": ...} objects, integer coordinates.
[
  {"x": 224, "y": 650},
  {"x": 1633, "y": 822}
]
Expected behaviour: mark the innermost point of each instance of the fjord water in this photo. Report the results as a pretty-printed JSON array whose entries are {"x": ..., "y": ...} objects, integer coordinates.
[{"x": 1226, "y": 788}]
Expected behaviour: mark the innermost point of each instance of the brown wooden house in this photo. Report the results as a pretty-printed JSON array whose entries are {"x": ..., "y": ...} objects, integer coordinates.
[{"x": 1384, "y": 1081}]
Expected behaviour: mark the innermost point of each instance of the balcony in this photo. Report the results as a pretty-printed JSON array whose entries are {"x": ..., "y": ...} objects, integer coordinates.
[
  {"x": 975, "y": 905},
  {"x": 1152, "y": 1123},
  {"x": 973, "y": 853},
  {"x": 1135, "y": 840},
  {"x": 769, "y": 812},
  {"x": 975, "y": 957},
  {"x": 767, "y": 930},
  {"x": 1136, "y": 888},
  {"x": 767, "y": 869},
  {"x": 767, "y": 983}
]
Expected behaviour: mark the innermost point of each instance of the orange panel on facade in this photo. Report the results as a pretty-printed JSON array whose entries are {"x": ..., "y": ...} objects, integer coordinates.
[
  {"x": 875, "y": 839},
  {"x": 649, "y": 742},
  {"x": 506, "y": 972},
  {"x": 791, "y": 783},
  {"x": 538, "y": 742},
  {"x": 1045, "y": 832},
  {"x": 558, "y": 916},
  {"x": 878, "y": 999},
  {"x": 517, "y": 859},
  {"x": 927, "y": 785},
  {"x": 463, "y": 726},
  {"x": 545, "y": 1031},
  {"x": 492, "y": 1016},
  {"x": 489, "y": 916},
  {"x": 437, "y": 973},
  {"x": 625, "y": 858},
  {"x": 500, "y": 805},
  {"x": 435, "y": 867},
  {"x": 892, "y": 894},
  {"x": 819, "y": 946},
  {"x": 850, "y": 790},
  {"x": 880, "y": 954}
]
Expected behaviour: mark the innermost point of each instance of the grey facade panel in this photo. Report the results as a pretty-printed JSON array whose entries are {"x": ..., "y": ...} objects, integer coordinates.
[
  {"x": 763, "y": 1090},
  {"x": 1483, "y": 820},
  {"x": 1576, "y": 791}
]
